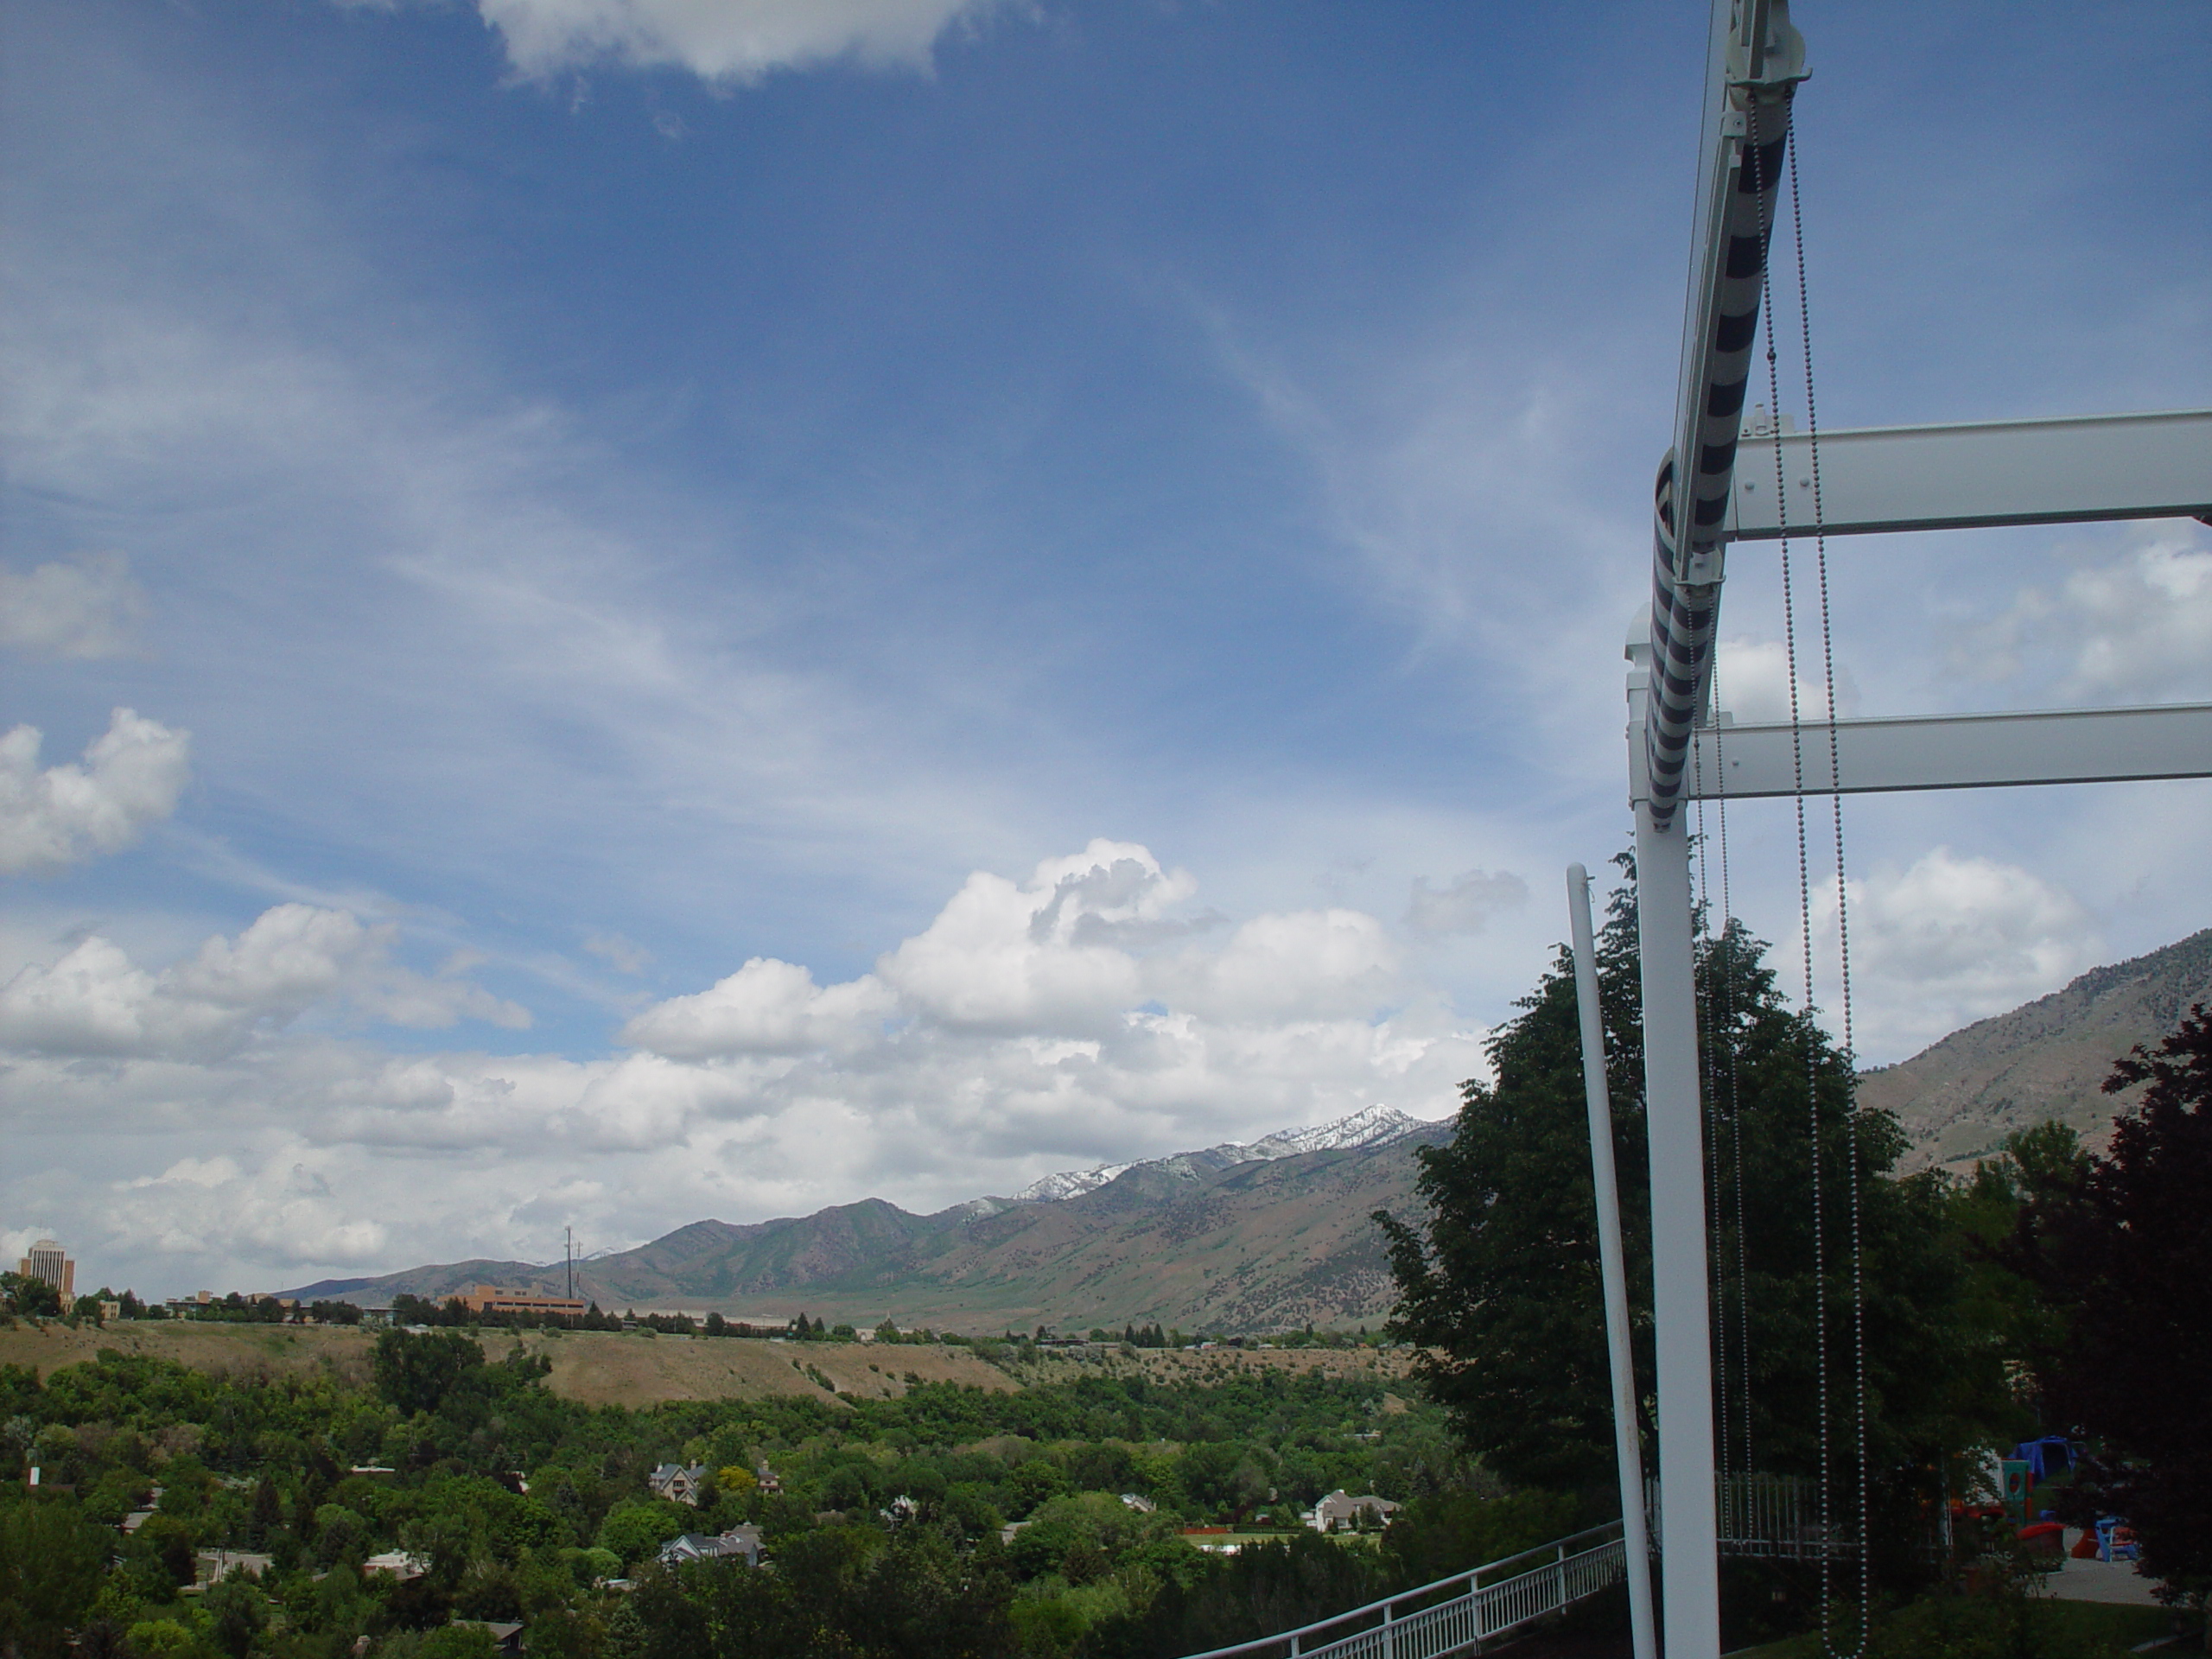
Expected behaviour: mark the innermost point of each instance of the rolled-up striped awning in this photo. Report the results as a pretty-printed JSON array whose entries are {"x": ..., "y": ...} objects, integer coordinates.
[{"x": 1690, "y": 511}]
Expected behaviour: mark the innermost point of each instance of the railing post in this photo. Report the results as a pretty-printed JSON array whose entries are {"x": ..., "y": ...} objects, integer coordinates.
[{"x": 1389, "y": 1635}]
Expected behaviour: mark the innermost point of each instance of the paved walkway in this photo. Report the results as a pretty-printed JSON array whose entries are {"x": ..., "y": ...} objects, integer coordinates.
[{"x": 2095, "y": 1581}]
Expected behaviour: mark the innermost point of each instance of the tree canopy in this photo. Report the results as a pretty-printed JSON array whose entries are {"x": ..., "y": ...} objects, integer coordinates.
[
  {"x": 2120, "y": 1247},
  {"x": 1499, "y": 1280}
]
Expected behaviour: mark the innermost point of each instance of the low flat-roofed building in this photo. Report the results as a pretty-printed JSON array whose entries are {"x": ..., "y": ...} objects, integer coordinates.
[
  {"x": 490, "y": 1298},
  {"x": 211, "y": 1566}
]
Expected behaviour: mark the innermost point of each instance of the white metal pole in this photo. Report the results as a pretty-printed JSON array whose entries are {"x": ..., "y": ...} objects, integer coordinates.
[
  {"x": 1689, "y": 1569},
  {"x": 1612, "y": 1264}
]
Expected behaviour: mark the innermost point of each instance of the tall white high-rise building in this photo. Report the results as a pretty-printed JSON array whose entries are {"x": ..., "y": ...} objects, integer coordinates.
[{"x": 47, "y": 1261}]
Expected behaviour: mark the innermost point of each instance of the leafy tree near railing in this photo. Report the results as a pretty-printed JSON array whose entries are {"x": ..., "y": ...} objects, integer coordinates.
[{"x": 1498, "y": 1281}]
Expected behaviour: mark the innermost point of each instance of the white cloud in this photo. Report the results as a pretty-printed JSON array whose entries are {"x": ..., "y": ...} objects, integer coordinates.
[
  {"x": 1040, "y": 954},
  {"x": 96, "y": 1002},
  {"x": 2139, "y": 627},
  {"x": 764, "y": 1008},
  {"x": 624, "y": 956},
  {"x": 199, "y": 1207},
  {"x": 1071, "y": 1015},
  {"x": 1466, "y": 906},
  {"x": 1309, "y": 964},
  {"x": 131, "y": 777},
  {"x": 725, "y": 40},
  {"x": 1751, "y": 677},
  {"x": 1947, "y": 941},
  {"x": 86, "y": 607}
]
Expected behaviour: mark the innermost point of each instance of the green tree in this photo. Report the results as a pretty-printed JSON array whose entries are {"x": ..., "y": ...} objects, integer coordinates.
[
  {"x": 416, "y": 1373},
  {"x": 51, "y": 1562},
  {"x": 461, "y": 1640},
  {"x": 239, "y": 1613},
  {"x": 1255, "y": 1592},
  {"x": 29, "y": 1298},
  {"x": 635, "y": 1530},
  {"x": 2121, "y": 1246},
  {"x": 1501, "y": 1284}
]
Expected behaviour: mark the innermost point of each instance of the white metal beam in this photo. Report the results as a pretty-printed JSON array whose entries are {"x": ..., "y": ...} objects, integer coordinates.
[
  {"x": 1689, "y": 1548},
  {"x": 1612, "y": 1267},
  {"x": 2076, "y": 471},
  {"x": 2084, "y": 745}
]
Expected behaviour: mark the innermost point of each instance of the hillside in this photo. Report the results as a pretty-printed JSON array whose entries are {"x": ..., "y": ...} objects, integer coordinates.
[
  {"x": 1962, "y": 1096},
  {"x": 638, "y": 1369},
  {"x": 1275, "y": 1239}
]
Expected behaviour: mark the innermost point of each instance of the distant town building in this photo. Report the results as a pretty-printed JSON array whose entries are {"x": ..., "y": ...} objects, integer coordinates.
[
  {"x": 1337, "y": 1513},
  {"x": 490, "y": 1298},
  {"x": 743, "y": 1541},
  {"x": 397, "y": 1564},
  {"x": 679, "y": 1484},
  {"x": 48, "y": 1261},
  {"x": 213, "y": 1565},
  {"x": 1140, "y": 1502}
]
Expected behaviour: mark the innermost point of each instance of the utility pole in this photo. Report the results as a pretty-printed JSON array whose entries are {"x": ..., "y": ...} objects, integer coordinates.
[{"x": 568, "y": 1256}]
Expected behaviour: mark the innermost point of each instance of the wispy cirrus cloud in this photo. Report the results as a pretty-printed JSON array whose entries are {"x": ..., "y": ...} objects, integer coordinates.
[{"x": 87, "y": 607}]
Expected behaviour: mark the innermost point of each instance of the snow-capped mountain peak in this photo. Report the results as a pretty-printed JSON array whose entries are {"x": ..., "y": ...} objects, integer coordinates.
[{"x": 1374, "y": 1126}]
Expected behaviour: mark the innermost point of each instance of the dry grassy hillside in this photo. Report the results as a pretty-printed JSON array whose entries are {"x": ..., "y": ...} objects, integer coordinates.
[
  {"x": 596, "y": 1368},
  {"x": 1960, "y": 1098}
]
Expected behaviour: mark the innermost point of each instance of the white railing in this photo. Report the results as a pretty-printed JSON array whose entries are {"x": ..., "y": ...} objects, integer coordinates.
[
  {"x": 1458, "y": 1613},
  {"x": 1766, "y": 1517}
]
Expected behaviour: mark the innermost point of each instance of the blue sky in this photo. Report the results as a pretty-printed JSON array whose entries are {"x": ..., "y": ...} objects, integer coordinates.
[{"x": 1087, "y": 543}]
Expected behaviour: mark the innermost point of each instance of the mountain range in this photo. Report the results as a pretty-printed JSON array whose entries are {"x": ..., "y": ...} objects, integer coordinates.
[
  {"x": 1276, "y": 1233},
  {"x": 1239, "y": 1237}
]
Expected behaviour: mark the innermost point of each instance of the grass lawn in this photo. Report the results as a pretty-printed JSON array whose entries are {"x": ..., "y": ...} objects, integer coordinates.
[{"x": 2084, "y": 1628}]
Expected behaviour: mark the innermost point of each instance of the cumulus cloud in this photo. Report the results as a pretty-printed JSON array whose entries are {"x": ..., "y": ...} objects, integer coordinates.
[
  {"x": 95, "y": 1002},
  {"x": 131, "y": 777},
  {"x": 88, "y": 606},
  {"x": 1949, "y": 940},
  {"x": 1466, "y": 905},
  {"x": 1062, "y": 1017},
  {"x": 764, "y": 1008},
  {"x": 723, "y": 41},
  {"x": 202, "y": 1206},
  {"x": 1038, "y": 955},
  {"x": 2136, "y": 626},
  {"x": 1751, "y": 682}
]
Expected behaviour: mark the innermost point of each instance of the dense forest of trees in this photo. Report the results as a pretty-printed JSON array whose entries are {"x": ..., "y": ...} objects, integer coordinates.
[{"x": 889, "y": 1522}]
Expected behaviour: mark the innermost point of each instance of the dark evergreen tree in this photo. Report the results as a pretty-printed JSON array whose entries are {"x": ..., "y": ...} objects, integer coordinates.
[{"x": 2122, "y": 1248}]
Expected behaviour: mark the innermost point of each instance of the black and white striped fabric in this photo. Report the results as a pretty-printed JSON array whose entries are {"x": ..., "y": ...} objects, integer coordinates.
[{"x": 1688, "y": 516}]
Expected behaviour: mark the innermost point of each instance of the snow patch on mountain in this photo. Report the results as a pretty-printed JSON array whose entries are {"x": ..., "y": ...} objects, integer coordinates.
[
  {"x": 1069, "y": 1184},
  {"x": 1376, "y": 1126}
]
